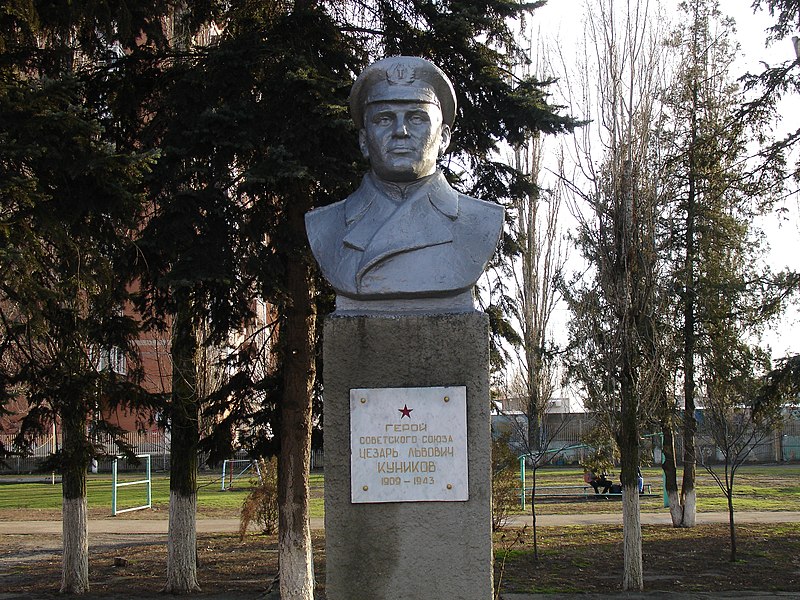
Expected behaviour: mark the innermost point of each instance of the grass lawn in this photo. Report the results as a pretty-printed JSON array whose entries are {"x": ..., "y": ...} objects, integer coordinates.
[
  {"x": 42, "y": 499},
  {"x": 675, "y": 560},
  {"x": 757, "y": 488}
]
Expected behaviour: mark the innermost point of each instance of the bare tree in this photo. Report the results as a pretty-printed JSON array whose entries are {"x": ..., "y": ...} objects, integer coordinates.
[
  {"x": 528, "y": 290},
  {"x": 737, "y": 417},
  {"x": 537, "y": 449},
  {"x": 534, "y": 291},
  {"x": 533, "y": 298},
  {"x": 615, "y": 334}
]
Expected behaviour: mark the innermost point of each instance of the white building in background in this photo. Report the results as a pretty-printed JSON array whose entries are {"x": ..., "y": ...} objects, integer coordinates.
[
  {"x": 562, "y": 404},
  {"x": 561, "y": 429}
]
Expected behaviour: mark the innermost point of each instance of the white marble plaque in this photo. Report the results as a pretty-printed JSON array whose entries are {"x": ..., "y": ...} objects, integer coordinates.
[{"x": 408, "y": 444}]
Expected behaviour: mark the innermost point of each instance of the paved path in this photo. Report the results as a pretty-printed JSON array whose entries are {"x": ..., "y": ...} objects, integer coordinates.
[{"x": 159, "y": 526}]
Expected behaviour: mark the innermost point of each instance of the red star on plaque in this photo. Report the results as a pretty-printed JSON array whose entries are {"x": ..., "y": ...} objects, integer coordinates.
[{"x": 405, "y": 411}]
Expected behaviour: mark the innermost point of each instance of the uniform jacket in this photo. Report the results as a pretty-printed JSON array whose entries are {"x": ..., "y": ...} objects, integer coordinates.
[{"x": 383, "y": 242}]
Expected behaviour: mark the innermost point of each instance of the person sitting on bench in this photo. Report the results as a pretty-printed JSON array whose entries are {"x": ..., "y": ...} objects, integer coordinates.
[{"x": 598, "y": 481}]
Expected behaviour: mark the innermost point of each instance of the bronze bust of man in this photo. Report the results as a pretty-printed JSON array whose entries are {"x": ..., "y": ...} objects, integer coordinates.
[{"x": 405, "y": 240}]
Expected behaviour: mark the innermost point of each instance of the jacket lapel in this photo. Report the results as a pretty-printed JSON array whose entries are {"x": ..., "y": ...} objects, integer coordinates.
[
  {"x": 365, "y": 212},
  {"x": 422, "y": 220}
]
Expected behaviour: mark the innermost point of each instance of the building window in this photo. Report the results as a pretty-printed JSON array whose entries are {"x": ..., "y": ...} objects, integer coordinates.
[{"x": 110, "y": 359}]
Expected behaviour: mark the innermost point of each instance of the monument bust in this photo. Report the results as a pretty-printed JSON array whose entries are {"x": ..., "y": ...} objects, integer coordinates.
[{"x": 405, "y": 240}]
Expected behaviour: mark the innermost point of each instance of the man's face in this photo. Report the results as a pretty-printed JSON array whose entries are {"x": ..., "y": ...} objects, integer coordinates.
[{"x": 402, "y": 140}]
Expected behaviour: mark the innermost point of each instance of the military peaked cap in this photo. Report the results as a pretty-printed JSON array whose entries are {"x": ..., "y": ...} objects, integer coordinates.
[{"x": 403, "y": 79}]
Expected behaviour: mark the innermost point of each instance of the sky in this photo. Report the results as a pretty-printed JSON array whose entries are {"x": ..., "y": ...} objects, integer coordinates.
[{"x": 561, "y": 20}]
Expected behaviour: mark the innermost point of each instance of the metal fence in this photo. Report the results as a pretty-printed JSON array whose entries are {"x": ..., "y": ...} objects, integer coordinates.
[
  {"x": 31, "y": 462},
  {"x": 154, "y": 443},
  {"x": 562, "y": 436}
]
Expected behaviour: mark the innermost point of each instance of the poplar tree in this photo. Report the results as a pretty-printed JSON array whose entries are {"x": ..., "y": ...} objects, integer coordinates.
[{"x": 617, "y": 341}]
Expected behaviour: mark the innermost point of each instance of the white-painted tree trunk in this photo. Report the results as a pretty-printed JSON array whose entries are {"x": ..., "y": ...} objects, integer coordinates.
[
  {"x": 75, "y": 562},
  {"x": 683, "y": 508},
  {"x": 295, "y": 553},
  {"x": 296, "y": 565},
  {"x": 632, "y": 578},
  {"x": 296, "y": 335},
  {"x": 689, "y": 508},
  {"x": 675, "y": 509},
  {"x": 182, "y": 544}
]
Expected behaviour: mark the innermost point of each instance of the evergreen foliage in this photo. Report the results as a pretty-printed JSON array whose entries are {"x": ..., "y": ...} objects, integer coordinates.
[
  {"x": 257, "y": 120},
  {"x": 231, "y": 133},
  {"x": 71, "y": 200},
  {"x": 775, "y": 83}
]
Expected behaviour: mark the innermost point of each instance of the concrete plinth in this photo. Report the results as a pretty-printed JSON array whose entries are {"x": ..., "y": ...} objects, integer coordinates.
[{"x": 407, "y": 550}]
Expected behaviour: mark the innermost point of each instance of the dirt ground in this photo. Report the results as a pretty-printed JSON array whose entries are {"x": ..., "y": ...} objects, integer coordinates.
[
  {"x": 571, "y": 559},
  {"x": 134, "y": 566},
  {"x": 589, "y": 559}
]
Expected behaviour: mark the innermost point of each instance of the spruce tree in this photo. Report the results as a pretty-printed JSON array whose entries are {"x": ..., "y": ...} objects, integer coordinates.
[{"x": 70, "y": 200}]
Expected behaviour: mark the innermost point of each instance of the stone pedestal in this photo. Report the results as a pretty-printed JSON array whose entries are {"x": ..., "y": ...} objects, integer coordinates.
[{"x": 407, "y": 550}]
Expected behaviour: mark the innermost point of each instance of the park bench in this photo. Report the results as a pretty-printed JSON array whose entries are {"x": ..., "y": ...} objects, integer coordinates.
[
  {"x": 553, "y": 492},
  {"x": 560, "y": 490}
]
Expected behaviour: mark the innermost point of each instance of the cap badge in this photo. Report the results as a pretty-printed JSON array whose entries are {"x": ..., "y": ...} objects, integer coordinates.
[{"x": 400, "y": 74}]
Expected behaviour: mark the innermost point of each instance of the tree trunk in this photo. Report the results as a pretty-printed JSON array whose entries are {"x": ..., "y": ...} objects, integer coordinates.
[
  {"x": 182, "y": 544},
  {"x": 533, "y": 517},
  {"x": 688, "y": 494},
  {"x": 732, "y": 527},
  {"x": 628, "y": 440},
  {"x": 632, "y": 578},
  {"x": 534, "y": 426},
  {"x": 182, "y": 538},
  {"x": 671, "y": 475},
  {"x": 688, "y": 497},
  {"x": 75, "y": 525},
  {"x": 297, "y": 331}
]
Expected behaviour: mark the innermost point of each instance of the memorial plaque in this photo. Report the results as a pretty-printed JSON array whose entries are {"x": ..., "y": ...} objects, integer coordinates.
[{"x": 408, "y": 444}]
